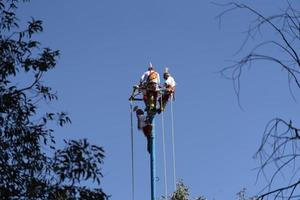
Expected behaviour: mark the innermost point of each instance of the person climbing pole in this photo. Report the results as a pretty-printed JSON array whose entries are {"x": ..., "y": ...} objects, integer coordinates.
[
  {"x": 167, "y": 91},
  {"x": 149, "y": 85},
  {"x": 144, "y": 125}
]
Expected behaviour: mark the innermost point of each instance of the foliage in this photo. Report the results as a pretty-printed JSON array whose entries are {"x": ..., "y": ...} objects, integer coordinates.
[
  {"x": 182, "y": 193},
  {"x": 242, "y": 195},
  {"x": 279, "y": 151},
  {"x": 31, "y": 167}
]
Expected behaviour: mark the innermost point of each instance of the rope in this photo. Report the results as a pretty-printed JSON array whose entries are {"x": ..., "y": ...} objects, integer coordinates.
[
  {"x": 173, "y": 142},
  {"x": 132, "y": 151},
  {"x": 164, "y": 152}
]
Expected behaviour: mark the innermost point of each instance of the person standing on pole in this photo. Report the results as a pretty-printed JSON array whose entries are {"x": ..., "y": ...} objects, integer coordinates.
[
  {"x": 168, "y": 90},
  {"x": 149, "y": 84}
]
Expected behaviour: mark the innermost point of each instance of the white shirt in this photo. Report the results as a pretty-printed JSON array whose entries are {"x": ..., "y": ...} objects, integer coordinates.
[
  {"x": 145, "y": 76},
  {"x": 141, "y": 121},
  {"x": 170, "y": 81}
]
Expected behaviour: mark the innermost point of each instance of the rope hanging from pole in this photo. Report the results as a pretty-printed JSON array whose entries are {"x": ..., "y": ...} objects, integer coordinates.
[
  {"x": 164, "y": 153},
  {"x": 132, "y": 152},
  {"x": 173, "y": 141}
]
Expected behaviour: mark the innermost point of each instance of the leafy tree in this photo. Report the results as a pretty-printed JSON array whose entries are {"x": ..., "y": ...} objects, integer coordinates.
[
  {"x": 182, "y": 193},
  {"x": 279, "y": 151},
  {"x": 31, "y": 167}
]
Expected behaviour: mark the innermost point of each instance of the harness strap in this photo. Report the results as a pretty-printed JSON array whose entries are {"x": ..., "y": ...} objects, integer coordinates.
[{"x": 150, "y": 79}]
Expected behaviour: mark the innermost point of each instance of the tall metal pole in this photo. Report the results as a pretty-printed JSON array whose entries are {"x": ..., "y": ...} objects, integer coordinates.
[{"x": 153, "y": 163}]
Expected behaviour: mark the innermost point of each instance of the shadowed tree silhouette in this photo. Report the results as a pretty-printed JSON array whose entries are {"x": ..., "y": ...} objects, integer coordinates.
[
  {"x": 279, "y": 151},
  {"x": 31, "y": 167}
]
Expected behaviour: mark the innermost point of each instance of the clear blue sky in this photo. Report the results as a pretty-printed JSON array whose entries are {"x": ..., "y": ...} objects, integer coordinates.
[{"x": 105, "y": 47}]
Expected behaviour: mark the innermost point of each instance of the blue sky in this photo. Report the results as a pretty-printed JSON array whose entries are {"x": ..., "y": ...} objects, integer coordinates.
[{"x": 105, "y": 47}]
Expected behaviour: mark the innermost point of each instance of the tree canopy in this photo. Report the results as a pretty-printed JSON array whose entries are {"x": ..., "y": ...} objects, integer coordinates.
[{"x": 31, "y": 166}]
